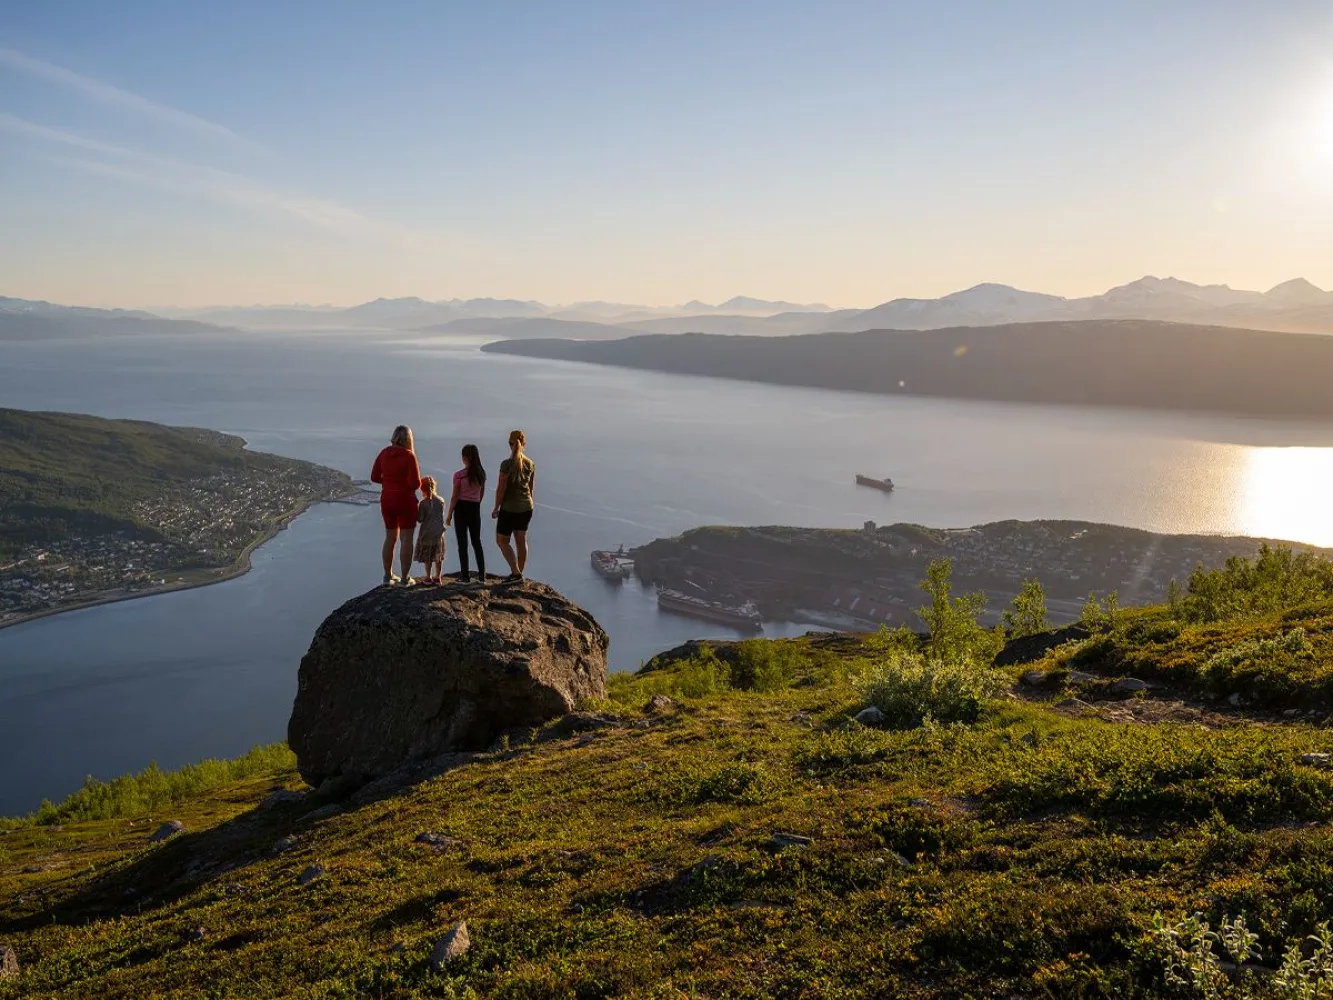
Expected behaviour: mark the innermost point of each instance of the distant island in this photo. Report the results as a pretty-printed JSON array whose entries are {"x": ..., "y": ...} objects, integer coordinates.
[
  {"x": 94, "y": 510},
  {"x": 858, "y": 580},
  {"x": 1132, "y": 363}
]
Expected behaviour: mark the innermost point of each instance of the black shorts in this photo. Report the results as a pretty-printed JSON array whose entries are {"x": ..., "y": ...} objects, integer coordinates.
[{"x": 510, "y": 521}]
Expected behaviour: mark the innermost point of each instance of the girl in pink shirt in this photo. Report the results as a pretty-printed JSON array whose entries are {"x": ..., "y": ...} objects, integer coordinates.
[{"x": 465, "y": 505}]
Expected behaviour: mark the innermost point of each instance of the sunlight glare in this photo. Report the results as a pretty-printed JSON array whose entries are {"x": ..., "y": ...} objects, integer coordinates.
[
  {"x": 1325, "y": 136},
  {"x": 1285, "y": 494}
]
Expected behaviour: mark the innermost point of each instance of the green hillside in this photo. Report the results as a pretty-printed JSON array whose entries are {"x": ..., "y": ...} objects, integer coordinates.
[
  {"x": 1033, "y": 830},
  {"x": 93, "y": 509},
  {"x": 63, "y": 472}
]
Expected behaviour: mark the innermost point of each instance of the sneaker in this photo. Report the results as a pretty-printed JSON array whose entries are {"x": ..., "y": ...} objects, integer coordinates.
[
  {"x": 513, "y": 577},
  {"x": 480, "y": 577},
  {"x": 390, "y": 579}
]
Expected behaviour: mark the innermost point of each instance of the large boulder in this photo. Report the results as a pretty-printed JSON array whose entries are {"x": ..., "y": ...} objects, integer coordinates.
[{"x": 403, "y": 673}]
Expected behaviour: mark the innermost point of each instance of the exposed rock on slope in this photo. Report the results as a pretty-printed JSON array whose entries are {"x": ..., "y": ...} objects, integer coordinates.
[{"x": 399, "y": 674}]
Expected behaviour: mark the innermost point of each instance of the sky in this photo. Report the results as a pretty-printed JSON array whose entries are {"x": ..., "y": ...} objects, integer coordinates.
[{"x": 837, "y": 151}]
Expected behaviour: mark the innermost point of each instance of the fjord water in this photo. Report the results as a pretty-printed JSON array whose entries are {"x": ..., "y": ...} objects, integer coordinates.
[{"x": 622, "y": 456}]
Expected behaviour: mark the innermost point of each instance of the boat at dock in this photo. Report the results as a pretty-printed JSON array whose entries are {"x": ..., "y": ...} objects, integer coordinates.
[
  {"x": 742, "y": 616},
  {"x": 885, "y": 484},
  {"x": 616, "y": 566}
]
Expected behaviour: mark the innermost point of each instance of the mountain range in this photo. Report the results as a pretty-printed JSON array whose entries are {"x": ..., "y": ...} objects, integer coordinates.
[
  {"x": 26, "y": 319},
  {"x": 413, "y": 313},
  {"x": 1295, "y": 306}
]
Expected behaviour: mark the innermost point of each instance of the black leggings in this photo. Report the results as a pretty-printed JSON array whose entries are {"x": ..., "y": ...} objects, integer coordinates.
[{"x": 467, "y": 521}]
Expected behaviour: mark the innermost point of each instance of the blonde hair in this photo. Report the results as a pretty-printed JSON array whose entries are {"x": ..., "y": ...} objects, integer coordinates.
[
  {"x": 517, "y": 439},
  {"x": 428, "y": 484},
  {"x": 402, "y": 437}
]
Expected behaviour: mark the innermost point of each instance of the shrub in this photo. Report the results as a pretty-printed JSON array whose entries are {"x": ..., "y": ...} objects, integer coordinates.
[
  {"x": 954, "y": 632},
  {"x": 1276, "y": 580},
  {"x": 1311, "y": 978},
  {"x": 764, "y": 665},
  {"x": 1027, "y": 614},
  {"x": 1293, "y": 643},
  {"x": 702, "y": 674},
  {"x": 1191, "y": 965},
  {"x": 1096, "y": 616},
  {"x": 1265, "y": 665},
  {"x": 911, "y": 689},
  {"x": 740, "y": 783},
  {"x": 1189, "y": 961}
]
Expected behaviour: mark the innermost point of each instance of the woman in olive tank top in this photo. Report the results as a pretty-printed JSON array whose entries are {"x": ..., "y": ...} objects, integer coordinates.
[{"x": 513, "y": 505}]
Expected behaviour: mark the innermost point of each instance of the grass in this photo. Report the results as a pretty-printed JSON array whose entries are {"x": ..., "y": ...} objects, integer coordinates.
[
  {"x": 153, "y": 789},
  {"x": 1022, "y": 853}
]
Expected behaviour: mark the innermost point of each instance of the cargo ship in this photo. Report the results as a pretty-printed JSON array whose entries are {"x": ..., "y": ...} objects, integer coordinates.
[
  {"x": 885, "y": 484},
  {"x": 742, "y": 616},
  {"x": 616, "y": 566}
]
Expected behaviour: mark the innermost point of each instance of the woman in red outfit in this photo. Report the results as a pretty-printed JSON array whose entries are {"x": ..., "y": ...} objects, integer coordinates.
[{"x": 399, "y": 476}]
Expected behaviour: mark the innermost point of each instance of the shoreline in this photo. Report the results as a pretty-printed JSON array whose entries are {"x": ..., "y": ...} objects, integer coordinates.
[{"x": 238, "y": 568}]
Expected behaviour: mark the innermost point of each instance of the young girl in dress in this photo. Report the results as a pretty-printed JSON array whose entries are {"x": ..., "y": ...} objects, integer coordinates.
[{"x": 430, "y": 536}]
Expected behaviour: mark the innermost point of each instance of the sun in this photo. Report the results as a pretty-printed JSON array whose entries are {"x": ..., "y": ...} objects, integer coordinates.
[{"x": 1283, "y": 494}]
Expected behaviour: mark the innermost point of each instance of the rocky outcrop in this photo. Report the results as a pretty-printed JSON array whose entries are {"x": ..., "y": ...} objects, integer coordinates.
[
  {"x": 404, "y": 673},
  {"x": 1030, "y": 648}
]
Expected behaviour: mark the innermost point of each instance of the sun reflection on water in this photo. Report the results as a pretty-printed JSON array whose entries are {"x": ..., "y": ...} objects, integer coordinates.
[{"x": 1286, "y": 492}]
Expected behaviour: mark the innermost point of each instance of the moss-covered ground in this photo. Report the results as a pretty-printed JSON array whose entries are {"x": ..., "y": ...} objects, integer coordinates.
[{"x": 1022, "y": 855}]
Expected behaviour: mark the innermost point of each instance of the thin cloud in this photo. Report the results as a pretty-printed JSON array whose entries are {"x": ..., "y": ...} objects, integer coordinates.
[
  {"x": 105, "y": 93},
  {"x": 24, "y": 127},
  {"x": 216, "y": 185}
]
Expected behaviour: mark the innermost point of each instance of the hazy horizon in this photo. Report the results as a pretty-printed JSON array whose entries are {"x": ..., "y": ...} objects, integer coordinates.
[
  {"x": 840, "y": 153},
  {"x": 557, "y": 305}
]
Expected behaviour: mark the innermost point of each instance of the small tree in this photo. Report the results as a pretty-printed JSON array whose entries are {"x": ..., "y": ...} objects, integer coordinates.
[
  {"x": 1092, "y": 617},
  {"x": 1175, "y": 598},
  {"x": 1027, "y": 615},
  {"x": 955, "y": 633}
]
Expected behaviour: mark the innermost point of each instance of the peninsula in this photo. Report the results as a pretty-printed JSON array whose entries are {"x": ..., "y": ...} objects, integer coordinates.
[
  {"x": 94, "y": 510},
  {"x": 858, "y": 580},
  {"x": 1134, "y": 363}
]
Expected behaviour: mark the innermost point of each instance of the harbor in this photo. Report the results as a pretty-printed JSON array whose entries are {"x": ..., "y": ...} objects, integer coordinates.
[
  {"x": 617, "y": 566},
  {"x": 862, "y": 580},
  {"x": 366, "y": 495}
]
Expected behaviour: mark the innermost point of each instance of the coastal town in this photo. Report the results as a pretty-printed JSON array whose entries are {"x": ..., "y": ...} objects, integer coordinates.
[
  {"x": 188, "y": 533},
  {"x": 856, "y": 580}
]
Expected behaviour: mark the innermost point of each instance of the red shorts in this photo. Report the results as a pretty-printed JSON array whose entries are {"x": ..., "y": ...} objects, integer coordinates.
[{"x": 399, "y": 510}]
